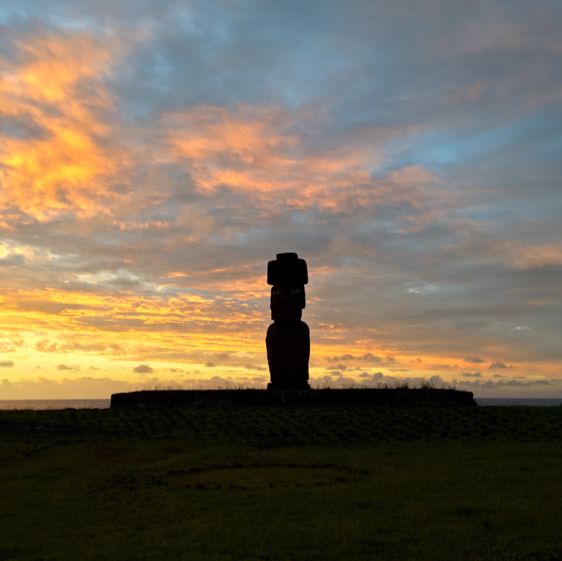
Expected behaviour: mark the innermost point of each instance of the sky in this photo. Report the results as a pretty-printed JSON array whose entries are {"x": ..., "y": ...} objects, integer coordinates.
[{"x": 154, "y": 155}]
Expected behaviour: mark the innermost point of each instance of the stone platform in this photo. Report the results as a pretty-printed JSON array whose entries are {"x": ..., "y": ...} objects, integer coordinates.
[{"x": 247, "y": 397}]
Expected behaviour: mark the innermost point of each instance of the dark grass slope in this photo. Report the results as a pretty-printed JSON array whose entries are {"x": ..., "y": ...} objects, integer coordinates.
[
  {"x": 290, "y": 424},
  {"x": 342, "y": 397},
  {"x": 274, "y": 483}
]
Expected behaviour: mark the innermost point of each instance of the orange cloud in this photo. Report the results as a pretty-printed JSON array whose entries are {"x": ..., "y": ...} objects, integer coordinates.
[
  {"x": 258, "y": 150},
  {"x": 79, "y": 148},
  {"x": 54, "y": 85},
  {"x": 528, "y": 256}
]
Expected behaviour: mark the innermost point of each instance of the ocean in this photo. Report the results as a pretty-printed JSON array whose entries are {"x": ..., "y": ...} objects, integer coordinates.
[{"x": 44, "y": 404}]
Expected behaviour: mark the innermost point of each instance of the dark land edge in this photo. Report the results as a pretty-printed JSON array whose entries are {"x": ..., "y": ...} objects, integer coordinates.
[{"x": 337, "y": 397}]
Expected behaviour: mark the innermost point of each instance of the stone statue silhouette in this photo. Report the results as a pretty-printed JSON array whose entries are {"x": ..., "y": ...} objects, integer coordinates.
[{"x": 288, "y": 338}]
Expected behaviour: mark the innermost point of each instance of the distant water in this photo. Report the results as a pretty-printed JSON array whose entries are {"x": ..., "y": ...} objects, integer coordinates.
[
  {"x": 55, "y": 404},
  {"x": 41, "y": 404},
  {"x": 518, "y": 401}
]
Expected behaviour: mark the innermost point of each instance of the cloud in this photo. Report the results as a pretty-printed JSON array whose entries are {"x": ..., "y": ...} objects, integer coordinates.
[
  {"x": 6, "y": 363},
  {"x": 48, "y": 87},
  {"x": 268, "y": 152},
  {"x": 365, "y": 358},
  {"x": 152, "y": 160},
  {"x": 508, "y": 383},
  {"x": 473, "y": 359},
  {"x": 67, "y": 367},
  {"x": 143, "y": 369},
  {"x": 498, "y": 365}
]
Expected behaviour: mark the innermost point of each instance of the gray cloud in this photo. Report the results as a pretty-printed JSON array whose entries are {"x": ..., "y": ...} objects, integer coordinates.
[
  {"x": 143, "y": 369},
  {"x": 473, "y": 359},
  {"x": 23, "y": 128},
  {"x": 515, "y": 387},
  {"x": 6, "y": 363},
  {"x": 366, "y": 358},
  {"x": 498, "y": 365}
]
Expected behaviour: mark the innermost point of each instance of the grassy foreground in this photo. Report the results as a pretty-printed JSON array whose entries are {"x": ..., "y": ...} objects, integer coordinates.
[{"x": 282, "y": 483}]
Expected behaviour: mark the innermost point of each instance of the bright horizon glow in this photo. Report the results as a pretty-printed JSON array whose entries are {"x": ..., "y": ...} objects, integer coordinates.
[{"x": 152, "y": 160}]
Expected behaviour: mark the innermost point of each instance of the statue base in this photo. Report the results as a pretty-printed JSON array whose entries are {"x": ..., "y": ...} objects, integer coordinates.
[
  {"x": 288, "y": 388},
  {"x": 369, "y": 397}
]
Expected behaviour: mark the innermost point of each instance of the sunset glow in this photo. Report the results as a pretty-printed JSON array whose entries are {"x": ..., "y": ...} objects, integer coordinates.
[{"x": 154, "y": 158}]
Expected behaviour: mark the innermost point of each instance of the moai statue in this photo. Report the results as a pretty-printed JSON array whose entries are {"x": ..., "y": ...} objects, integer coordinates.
[{"x": 288, "y": 338}]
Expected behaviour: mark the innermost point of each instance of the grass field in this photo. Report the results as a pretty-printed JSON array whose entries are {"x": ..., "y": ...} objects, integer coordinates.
[{"x": 282, "y": 483}]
